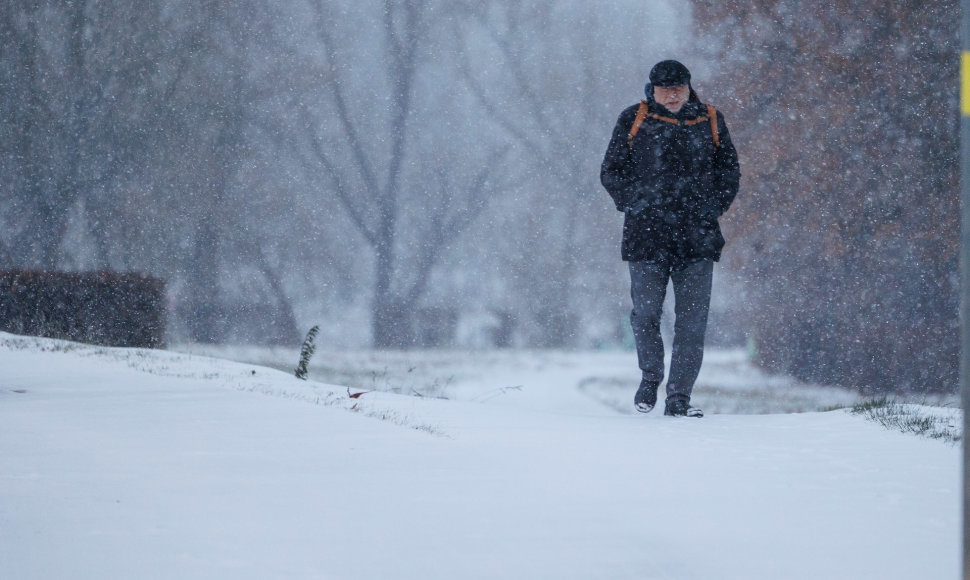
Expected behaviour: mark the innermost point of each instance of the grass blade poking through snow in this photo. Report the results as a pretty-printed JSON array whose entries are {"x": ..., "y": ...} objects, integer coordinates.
[{"x": 932, "y": 422}]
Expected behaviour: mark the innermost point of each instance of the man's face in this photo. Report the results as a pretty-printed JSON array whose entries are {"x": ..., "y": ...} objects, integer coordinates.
[{"x": 673, "y": 98}]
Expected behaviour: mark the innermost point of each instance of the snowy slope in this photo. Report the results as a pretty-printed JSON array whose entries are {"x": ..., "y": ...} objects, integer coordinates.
[{"x": 138, "y": 464}]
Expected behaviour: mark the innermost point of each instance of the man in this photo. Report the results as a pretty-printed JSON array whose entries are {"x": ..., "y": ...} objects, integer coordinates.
[{"x": 673, "y": 171}]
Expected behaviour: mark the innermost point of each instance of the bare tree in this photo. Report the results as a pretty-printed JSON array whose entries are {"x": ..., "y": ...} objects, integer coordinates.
[
  {"x": 551, "y": 90},
  {"x": 368, "y": 173},
  {"x": 219, "y": 92},
  {"x": 70, "y": 129}
]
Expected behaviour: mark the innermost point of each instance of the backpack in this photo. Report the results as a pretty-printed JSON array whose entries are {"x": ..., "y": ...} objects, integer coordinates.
[{"x": 643, "y": 112}]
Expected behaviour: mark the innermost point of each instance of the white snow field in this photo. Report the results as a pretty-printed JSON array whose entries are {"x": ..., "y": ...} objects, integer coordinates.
[{"x": 122, "y": 464}]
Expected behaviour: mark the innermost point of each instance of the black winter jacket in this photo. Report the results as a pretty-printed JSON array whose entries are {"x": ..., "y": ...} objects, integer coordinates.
[{"x": 673, "y": 184}]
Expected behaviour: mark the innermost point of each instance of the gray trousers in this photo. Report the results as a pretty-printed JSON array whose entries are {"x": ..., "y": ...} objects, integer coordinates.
[{"x": 692, "y": 301}]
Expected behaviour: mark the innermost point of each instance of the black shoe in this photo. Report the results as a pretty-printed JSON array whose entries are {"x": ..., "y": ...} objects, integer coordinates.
[
  {"x": 646, "y": 397},
  {"x": 682, "y": 409}
]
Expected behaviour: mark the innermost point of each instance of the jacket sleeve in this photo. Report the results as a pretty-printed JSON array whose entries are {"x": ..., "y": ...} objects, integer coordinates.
[
  {"x": 727, "y": 170},
  {"x": 617, "y": 172}
]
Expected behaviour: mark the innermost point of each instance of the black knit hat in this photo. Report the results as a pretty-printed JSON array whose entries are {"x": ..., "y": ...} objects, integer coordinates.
[{"x": 669, "y": 73}]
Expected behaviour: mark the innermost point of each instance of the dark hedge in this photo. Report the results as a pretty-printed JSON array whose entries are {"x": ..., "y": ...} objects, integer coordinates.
[{"x": 105, "y": 308}]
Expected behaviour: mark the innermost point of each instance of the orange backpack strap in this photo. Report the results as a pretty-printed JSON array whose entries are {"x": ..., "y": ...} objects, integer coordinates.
[
  {"x": 712, "y": 114},
  {"x": 641, "y": 114},
  {"x": 643, "y": 111}
]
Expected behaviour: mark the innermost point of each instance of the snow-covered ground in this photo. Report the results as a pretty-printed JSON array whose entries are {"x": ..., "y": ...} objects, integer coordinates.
[
  {"x": 542, "y": 380},
  {"x": 120, "y": 463}
]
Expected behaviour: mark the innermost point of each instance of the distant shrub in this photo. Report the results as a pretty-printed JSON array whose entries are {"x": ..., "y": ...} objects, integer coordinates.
[{"x": 106, "y": 308}]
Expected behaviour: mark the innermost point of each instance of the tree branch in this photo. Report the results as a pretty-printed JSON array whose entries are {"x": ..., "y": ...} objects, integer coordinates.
[
  {"x": 364, "y": 165},
  {"x": 357, "y": 215}
]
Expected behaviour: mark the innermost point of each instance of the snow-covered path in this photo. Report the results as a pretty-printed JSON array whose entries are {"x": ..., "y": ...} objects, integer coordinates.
[{"x": 135, "y": 464}]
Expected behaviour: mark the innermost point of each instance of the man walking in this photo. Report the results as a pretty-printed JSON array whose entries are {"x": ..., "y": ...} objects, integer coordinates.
[{"x": 672, "y": 170}]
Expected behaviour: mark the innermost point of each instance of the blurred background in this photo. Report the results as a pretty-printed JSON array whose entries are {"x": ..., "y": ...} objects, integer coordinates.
[{"x": 425, "y": 173}]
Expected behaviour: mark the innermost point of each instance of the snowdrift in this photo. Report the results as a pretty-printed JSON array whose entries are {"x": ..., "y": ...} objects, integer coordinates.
[{"x": 126, "y": 463}]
